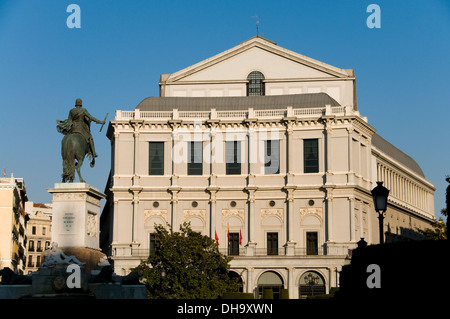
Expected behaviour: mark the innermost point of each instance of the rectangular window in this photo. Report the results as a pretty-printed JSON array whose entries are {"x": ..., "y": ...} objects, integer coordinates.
[
  {"x": 195, "y": 158},
  {"x": 233, "y": 244},
  {"x": 154, "y": 243},
  {"x": 312, "y": 247},
  {"x": 311, "y": 156},
  {"x": 272, "y": 243},
  {"x": 272, "y": 157},
  {"x": 233, "y": 157},
  {"x": 156, "y": 158}
]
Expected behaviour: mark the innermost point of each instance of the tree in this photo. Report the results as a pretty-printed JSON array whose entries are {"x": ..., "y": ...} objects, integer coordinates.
[
  {"x": 438, "y": 230},
  {"x": 186, "y": 265}
]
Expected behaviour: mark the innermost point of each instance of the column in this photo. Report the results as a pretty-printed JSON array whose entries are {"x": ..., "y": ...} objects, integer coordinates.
[
  {"x": 174, "y": 188},
  {"x": 291, "y": 282},
  {"x": 329, "y": 156},
  {"x": 250, "y": 280},
  {"x": 351, "y": 203},
  {"x": 290, "y": 244},
  {"x": 351, "y": 173},
  {"x": 135, "y": 222},
  {"x": 252, "y": 145},
  {"x": 212, "y": 215},
  {"x": 136, "y": 124},
  {"x": 329, "y": 203},
  {"x": 251, "y": 246}
]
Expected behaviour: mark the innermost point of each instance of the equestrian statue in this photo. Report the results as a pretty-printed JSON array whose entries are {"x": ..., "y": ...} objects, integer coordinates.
[{"x": 77, "y": 142}]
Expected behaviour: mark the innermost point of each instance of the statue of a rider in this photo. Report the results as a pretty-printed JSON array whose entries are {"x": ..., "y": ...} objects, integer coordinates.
[{"x": 79, "y": 121}]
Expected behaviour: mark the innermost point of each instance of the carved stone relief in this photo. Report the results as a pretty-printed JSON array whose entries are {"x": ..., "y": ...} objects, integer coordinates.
[
  {"x": 277, "y": 212},
  {"x": 239, "y": 213},
  {"x": 91, "y": 225},
  {"x": 318, "y": 212},
  {"x": 200, "y": 213},
  {"x": 148, "y": 213}
]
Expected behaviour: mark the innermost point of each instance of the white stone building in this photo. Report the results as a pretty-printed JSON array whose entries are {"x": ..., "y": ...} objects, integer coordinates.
[{"x": 266, "y": 148}]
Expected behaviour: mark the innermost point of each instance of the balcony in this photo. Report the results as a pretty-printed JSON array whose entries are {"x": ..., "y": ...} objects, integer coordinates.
[
  {"x": 250, "y": 113},
  {"x": 141, "y": 253}
]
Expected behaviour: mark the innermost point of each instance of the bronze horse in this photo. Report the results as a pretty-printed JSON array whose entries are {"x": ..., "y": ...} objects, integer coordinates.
[{"x": 73, "y": 151}]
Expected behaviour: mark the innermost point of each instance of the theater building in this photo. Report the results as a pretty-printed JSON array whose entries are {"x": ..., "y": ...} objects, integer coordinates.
[{"x": 266, "y": 148}]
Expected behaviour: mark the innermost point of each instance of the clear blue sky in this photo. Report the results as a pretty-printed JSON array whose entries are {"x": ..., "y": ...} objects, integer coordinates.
[{"x": 115, "y": 59}]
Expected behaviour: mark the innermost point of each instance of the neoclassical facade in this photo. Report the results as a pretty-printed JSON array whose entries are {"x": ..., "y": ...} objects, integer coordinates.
[{"x": 266, "y": 151}]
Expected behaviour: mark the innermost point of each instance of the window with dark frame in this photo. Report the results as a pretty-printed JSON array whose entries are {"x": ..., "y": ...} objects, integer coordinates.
[
  {"x": 154, "y": 243},
  {"x": 272, "y": 243},
  {"x": 195, "y": 158},
  {"x": 255, "y": 85},
  {"x": 311, "y": 155},
  {"x": 312, "y": 246},
  {"x": 233, "y": 244},
  {"x": 233, "y": 157},
  {"x": 272, "y": 157},
  {"x": 156, "y": 158}
]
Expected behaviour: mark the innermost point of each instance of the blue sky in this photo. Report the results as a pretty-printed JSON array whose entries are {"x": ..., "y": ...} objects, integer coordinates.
[{"x": 115, "y": 59}]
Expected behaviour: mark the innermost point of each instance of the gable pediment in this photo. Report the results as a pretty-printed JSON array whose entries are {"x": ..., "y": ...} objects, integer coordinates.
[{"x": 256, "y": 54}]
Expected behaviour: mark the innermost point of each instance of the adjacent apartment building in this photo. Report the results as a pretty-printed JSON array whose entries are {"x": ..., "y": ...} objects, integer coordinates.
[
  {"x": 266, "y": 150},
  {"x": 39, "y": 234},
  {"x": 13, "y": 223}
]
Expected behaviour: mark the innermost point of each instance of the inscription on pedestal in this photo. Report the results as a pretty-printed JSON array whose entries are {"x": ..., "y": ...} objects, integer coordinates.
[{"x": 69, "y": 222}]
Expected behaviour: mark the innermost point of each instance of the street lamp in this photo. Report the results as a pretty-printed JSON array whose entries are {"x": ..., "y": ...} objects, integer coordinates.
[{"x": 380, "y": 195}]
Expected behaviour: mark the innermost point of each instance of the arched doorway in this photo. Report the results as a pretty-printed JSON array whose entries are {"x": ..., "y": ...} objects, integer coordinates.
[
  {"x": 311, "y": 283},
  {"x": 270, "y": 280}
]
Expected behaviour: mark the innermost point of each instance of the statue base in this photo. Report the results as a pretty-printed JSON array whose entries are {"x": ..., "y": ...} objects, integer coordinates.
[{"x": 76, "y": 215}]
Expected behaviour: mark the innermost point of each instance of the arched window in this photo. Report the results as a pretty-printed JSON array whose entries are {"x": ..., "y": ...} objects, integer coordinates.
[
  {"x": 311, "y": 283},
  {"x": 255, "y": 85},
  {"x": 272, "y": 281}
]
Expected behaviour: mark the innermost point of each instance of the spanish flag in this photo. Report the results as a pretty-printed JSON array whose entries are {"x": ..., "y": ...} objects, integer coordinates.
[
  {"x": 228, "y": 234},
  {"x": 217, "y": 238}
]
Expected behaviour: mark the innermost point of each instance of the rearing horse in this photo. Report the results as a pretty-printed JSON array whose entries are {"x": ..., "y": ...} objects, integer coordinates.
[{"x": 73, "y": 151}]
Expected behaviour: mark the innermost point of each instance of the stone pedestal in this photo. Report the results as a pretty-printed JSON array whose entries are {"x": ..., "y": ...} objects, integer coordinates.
[
  {"x": 76, "y": 215},
  {"x": 74, "y": 267},
  {"x": 76, "y": 221}
]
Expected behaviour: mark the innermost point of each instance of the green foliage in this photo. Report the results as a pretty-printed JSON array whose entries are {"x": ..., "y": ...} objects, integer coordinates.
[
  {"x": 438, "y": 230},
  {"x": 186, "y": 265},
  {"x": 332, "y": 293},
  {"x": 238, "y": 295},
  {"x": 284, "y": 294},
  {"x": 267, "y": 294}
]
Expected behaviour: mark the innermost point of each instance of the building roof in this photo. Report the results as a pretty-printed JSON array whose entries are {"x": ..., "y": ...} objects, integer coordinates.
[
  {"x": 229, "y": 103},
  {"x": 396, "y": 154}
]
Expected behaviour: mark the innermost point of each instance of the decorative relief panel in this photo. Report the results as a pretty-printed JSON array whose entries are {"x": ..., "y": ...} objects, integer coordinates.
[
  {"x": 200, "y": 213},
  {"x": 91, "y": 225},
  {"x": 148, "y": 213},
  {"x": 226, "y": 213},
  {"x": 64, "y": 196},
  {"x": 314, "y": 211},
  {"x": 278, "y": 212}
]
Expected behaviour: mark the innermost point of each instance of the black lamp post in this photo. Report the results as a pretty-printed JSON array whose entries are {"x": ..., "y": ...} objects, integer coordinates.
[{"x": 380, "y": 195}]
